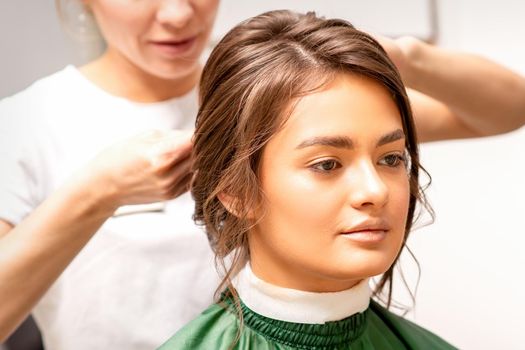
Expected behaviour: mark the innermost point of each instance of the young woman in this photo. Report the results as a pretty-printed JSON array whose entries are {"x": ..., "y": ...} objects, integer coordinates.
[
  {"x": 306, "y": 180},
  {"x": 92, "y": 275}
]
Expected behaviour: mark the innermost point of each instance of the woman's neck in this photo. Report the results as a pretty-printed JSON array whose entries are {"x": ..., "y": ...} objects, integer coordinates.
[
  {"x": 274, "y": 270},
  {"x": 298, "y": 306},
  {"x": 118, "y": 76}
]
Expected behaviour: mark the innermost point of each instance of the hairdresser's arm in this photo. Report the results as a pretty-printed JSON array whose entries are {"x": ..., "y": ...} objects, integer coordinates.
[
  {"x": 34, "y": 253},
  {"x": 482, "y": 97}
]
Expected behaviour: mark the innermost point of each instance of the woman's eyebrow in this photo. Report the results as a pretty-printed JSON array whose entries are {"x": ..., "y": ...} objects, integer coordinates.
[
  {"x": 331, "y": 141},
  {"x": 391, "y": 137},
  {"x": 346, "y": 142}
]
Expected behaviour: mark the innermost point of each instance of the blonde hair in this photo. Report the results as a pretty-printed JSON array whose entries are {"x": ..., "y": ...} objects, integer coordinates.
[{"x": 79, "y": 23}]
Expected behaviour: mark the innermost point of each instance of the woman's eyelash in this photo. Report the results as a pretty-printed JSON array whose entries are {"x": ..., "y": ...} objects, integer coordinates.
[
  {"x": 394, "y": 159},
  {"x": 326, "y": 165}
]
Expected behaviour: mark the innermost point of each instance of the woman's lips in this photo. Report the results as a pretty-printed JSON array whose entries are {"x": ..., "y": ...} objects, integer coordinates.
[
  {"x": 366, "y": 235},
  {"x": 173, "y": 49},
  {"x": 367, "y": 231}
]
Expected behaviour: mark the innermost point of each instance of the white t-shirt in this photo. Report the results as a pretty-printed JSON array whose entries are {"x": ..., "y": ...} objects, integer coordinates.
[{"x": 143, "y": 275}]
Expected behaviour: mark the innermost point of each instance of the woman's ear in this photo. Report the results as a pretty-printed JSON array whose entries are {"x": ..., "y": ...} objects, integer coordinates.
[
  {"x": 229, "y": 202},
  {"x": 233, "y": 205}
]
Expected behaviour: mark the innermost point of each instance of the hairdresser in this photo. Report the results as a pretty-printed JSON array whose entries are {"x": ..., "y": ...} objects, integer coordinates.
[
  {"x": 96, "y": 235},
  {"x": 457, "y": 95}
]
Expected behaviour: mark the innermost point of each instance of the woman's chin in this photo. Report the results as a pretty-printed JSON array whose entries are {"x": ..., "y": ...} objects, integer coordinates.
[
  {"x": 176, "y": 71},
  {"x": 358, "y": 271}
]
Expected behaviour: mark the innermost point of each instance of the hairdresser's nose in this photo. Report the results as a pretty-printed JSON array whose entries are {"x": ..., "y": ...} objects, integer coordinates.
[
  {"x": 175, "y": 13},
  {"x": 367, "y": 188}
]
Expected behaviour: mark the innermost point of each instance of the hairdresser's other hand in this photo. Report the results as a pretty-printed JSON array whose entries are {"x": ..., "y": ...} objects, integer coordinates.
[
  {"x": 150, "y": 167},
  {"x": 401, "y": 52}
]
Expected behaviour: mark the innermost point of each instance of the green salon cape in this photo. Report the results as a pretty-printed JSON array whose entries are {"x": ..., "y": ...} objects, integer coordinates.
[{"x": 375, "y": 328}]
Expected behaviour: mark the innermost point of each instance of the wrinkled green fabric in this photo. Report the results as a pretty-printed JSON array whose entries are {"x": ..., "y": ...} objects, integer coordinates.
[{"x": 376, "y": 328}]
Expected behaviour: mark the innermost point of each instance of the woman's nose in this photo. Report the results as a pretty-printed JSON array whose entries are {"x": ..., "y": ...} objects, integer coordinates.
[
  {"x": 367, "y": 188},
  {"x": 175, "y": 13}
]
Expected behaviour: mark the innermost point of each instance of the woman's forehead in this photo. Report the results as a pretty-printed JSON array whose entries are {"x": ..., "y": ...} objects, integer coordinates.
[{"x": 350, "y": 105}]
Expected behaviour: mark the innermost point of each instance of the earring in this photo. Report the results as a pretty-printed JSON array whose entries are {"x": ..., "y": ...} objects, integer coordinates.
[{"x": 78, "y": 20}]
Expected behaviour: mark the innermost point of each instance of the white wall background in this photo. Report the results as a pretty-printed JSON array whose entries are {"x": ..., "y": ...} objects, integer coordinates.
[{"x": 472, "y": 258}]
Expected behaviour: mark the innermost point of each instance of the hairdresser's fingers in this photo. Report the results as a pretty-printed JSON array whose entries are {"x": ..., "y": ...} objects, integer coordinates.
[
  {"x": 403, "y": 51},
  {"x": 138, "y": 169},
  {"x": 178, "y": 172},
  {"x": 170, "y": 148},
  {"x": 179, "y": 169},
  {"x": 182, "y": 186},
  {"x": 392, "y": 48}
]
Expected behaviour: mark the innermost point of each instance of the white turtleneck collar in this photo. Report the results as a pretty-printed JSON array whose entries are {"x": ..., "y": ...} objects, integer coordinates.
[{"x": 298, "y": 306}]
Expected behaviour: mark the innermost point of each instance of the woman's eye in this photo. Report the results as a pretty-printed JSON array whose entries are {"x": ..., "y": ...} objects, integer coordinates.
[
  {"x": 326, "y": 165},
  {"x": 393, "y": 160}
]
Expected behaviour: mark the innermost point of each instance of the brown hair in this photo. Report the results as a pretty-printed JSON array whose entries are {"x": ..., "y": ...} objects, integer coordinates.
[{"x": 247, "y": 87}]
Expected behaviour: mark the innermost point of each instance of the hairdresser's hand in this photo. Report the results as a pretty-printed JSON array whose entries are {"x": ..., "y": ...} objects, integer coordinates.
[
  {"x": 149, "y": 167},
  {"x": 402, "y": 51}
]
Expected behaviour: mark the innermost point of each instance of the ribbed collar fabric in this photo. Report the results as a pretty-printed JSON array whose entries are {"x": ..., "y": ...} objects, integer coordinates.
[{"x": 297, "y": 306}]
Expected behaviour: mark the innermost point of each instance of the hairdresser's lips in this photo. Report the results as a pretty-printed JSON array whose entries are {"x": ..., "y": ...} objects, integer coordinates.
[
  {"x": 371, "y": 231},
  {"x": 174, "y": 48}
]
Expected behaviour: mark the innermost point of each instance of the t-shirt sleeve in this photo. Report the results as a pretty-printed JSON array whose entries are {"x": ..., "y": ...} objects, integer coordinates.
[{"x": 19, "y": 193}]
